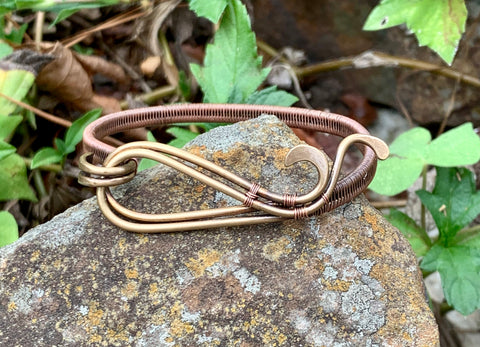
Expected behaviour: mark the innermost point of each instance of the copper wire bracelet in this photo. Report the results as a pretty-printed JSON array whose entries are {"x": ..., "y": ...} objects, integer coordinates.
[{"x": 257, "y": 204}]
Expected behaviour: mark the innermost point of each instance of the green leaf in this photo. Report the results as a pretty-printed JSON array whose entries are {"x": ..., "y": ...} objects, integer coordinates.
[
  {"x": 13, "y": 179},
  {"x": 15, "y": 84},
  {"x": 404, "y": 164},
  {"x": 272, "y": 96},
  {"x": 5, "y": 49},
  {"x": 45, "y": 156},
  {"x": 64, "y": 14},
  {"x": 457, "y": 147},
  {"x": 417, "y": 236},
  {"x": 182, "y": 136},
  {"x": 8, "y": 228},
  {"x": 438, "y": 24},
  {"x": 75, "y": 132},
  {"x": 412, "y": 150},
  {"x": 8, "y": 124},
  {"x": 210, "y": 9},
  {"x": 454, "y": 203},
  {"x": 146, "y": 163},
  {"x": 61, "y": 146},
  {"x": 459, "y": 268},
  {"x": 231, "y": 62},
  {"x": 15, "y": 35},
  {"x": 6, "y": 149}
]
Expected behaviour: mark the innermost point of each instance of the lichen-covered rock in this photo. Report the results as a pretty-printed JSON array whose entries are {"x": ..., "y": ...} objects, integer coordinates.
[{"x": 346, "y": 278}]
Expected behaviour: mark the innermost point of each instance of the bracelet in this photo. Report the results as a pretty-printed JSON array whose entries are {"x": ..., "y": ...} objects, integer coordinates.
[{"x": 104, "y": 166}]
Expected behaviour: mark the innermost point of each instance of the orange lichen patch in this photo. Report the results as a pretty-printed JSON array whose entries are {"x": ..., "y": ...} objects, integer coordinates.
[
  {"x": 11, "y": 306},
  {"x": 301, "y": 262},
  {"x": 95, "y": 338},
  {"x": 35, "y": 255},
  {"x": 273, "y": 337},
  {"x": 130, "y": 290},
  {"x": 197, "y": 150},
  {"x": 117, "y": 336},
  {"x": 95, "y": 316},
  {"x": 131, "y": 273},
  {"x": 337, "y": 285},
  {"x": 153, "y": 289},
  {"x": 275, "y": 249},
  {"x": 280, "y": 153},
  {"x": 206, "y": 258},
  {"x": 199, "y": 188},
  {"x": 180, "y": 328}
]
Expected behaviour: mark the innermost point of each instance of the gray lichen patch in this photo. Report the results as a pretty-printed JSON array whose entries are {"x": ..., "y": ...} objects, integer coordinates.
[{"x": 346, "y": 278}]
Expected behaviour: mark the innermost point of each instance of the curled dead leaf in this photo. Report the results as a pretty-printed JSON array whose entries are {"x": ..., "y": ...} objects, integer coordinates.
[{"x": 67, "y": 79}]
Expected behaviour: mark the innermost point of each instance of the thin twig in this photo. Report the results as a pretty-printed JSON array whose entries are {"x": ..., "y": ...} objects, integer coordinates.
[
  {"x": 401, "y": 105},
  {"x": 54, "y": 119},
  {"x": 448, "y": 112},
  {"x": 39, "y": 21},
  {"x": 117, "y": 20},
  {"x": 50, "y": 117},
  {"x": 377, "y": 59},
  {"x": 152, "y": 96},
  {"x": 387, "y": 204}
]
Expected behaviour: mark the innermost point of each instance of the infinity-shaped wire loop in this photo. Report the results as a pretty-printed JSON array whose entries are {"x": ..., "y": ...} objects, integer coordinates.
[{"x": 268, "y": 206}]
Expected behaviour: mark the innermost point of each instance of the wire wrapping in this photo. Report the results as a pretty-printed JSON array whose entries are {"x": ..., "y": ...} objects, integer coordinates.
[{"x": 340, "y": 192}]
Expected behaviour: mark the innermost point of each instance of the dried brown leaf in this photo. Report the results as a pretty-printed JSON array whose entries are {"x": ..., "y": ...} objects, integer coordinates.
[
  {"x": 66, "y": 79},
  {"x": 94, "y": 64}
]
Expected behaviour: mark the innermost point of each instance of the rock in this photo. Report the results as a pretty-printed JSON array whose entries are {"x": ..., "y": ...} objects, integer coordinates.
[
  {"x": 329, "y": 30},
  {"x": 346, "y": 278}
]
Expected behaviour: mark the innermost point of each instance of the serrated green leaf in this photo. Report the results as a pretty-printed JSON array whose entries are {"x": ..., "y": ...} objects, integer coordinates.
[
  {"x": 417, "y": 237},
  {"x": 75, "y": 132},
  {"x": 6, "y": 149},
  {"x": 15, "y": 84},
  {"x": 272, "y": 96},
  {"x": 454, "y": 203},
  {"x": 464, "y": 151},
  {"x": 8, "y": 228},
  {"x": 469, "y": 238},
  {"x": 13, "y": 179},
  {"x": 438, "y": 24},
  {"x": 459, "y": 268},
  {"x": 182, "y": 136},
  {"x": 8, "y": 124},
  {"x": 231, "y": 62},
  {"x": 46, "y": 156},
  {"x": 210, "y": 9}
]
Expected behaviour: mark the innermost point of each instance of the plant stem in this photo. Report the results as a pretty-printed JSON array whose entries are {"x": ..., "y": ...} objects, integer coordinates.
[
  {"x": 376, "y": 59},
  {"x": 152, "y": 96},
  {"x": 423, "y": 212},
  {"x": 60, "y": 121},
  {"x": 38, "y": 181}
]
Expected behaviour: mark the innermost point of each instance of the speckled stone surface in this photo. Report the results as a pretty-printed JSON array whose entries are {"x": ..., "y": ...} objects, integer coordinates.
[{"x": 346, "y": 278}]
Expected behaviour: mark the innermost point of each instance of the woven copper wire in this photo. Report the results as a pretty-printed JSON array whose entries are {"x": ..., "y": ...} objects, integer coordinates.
[
  {"x": 346, "y": 188},
  {"x": 251, "y": 195}
]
